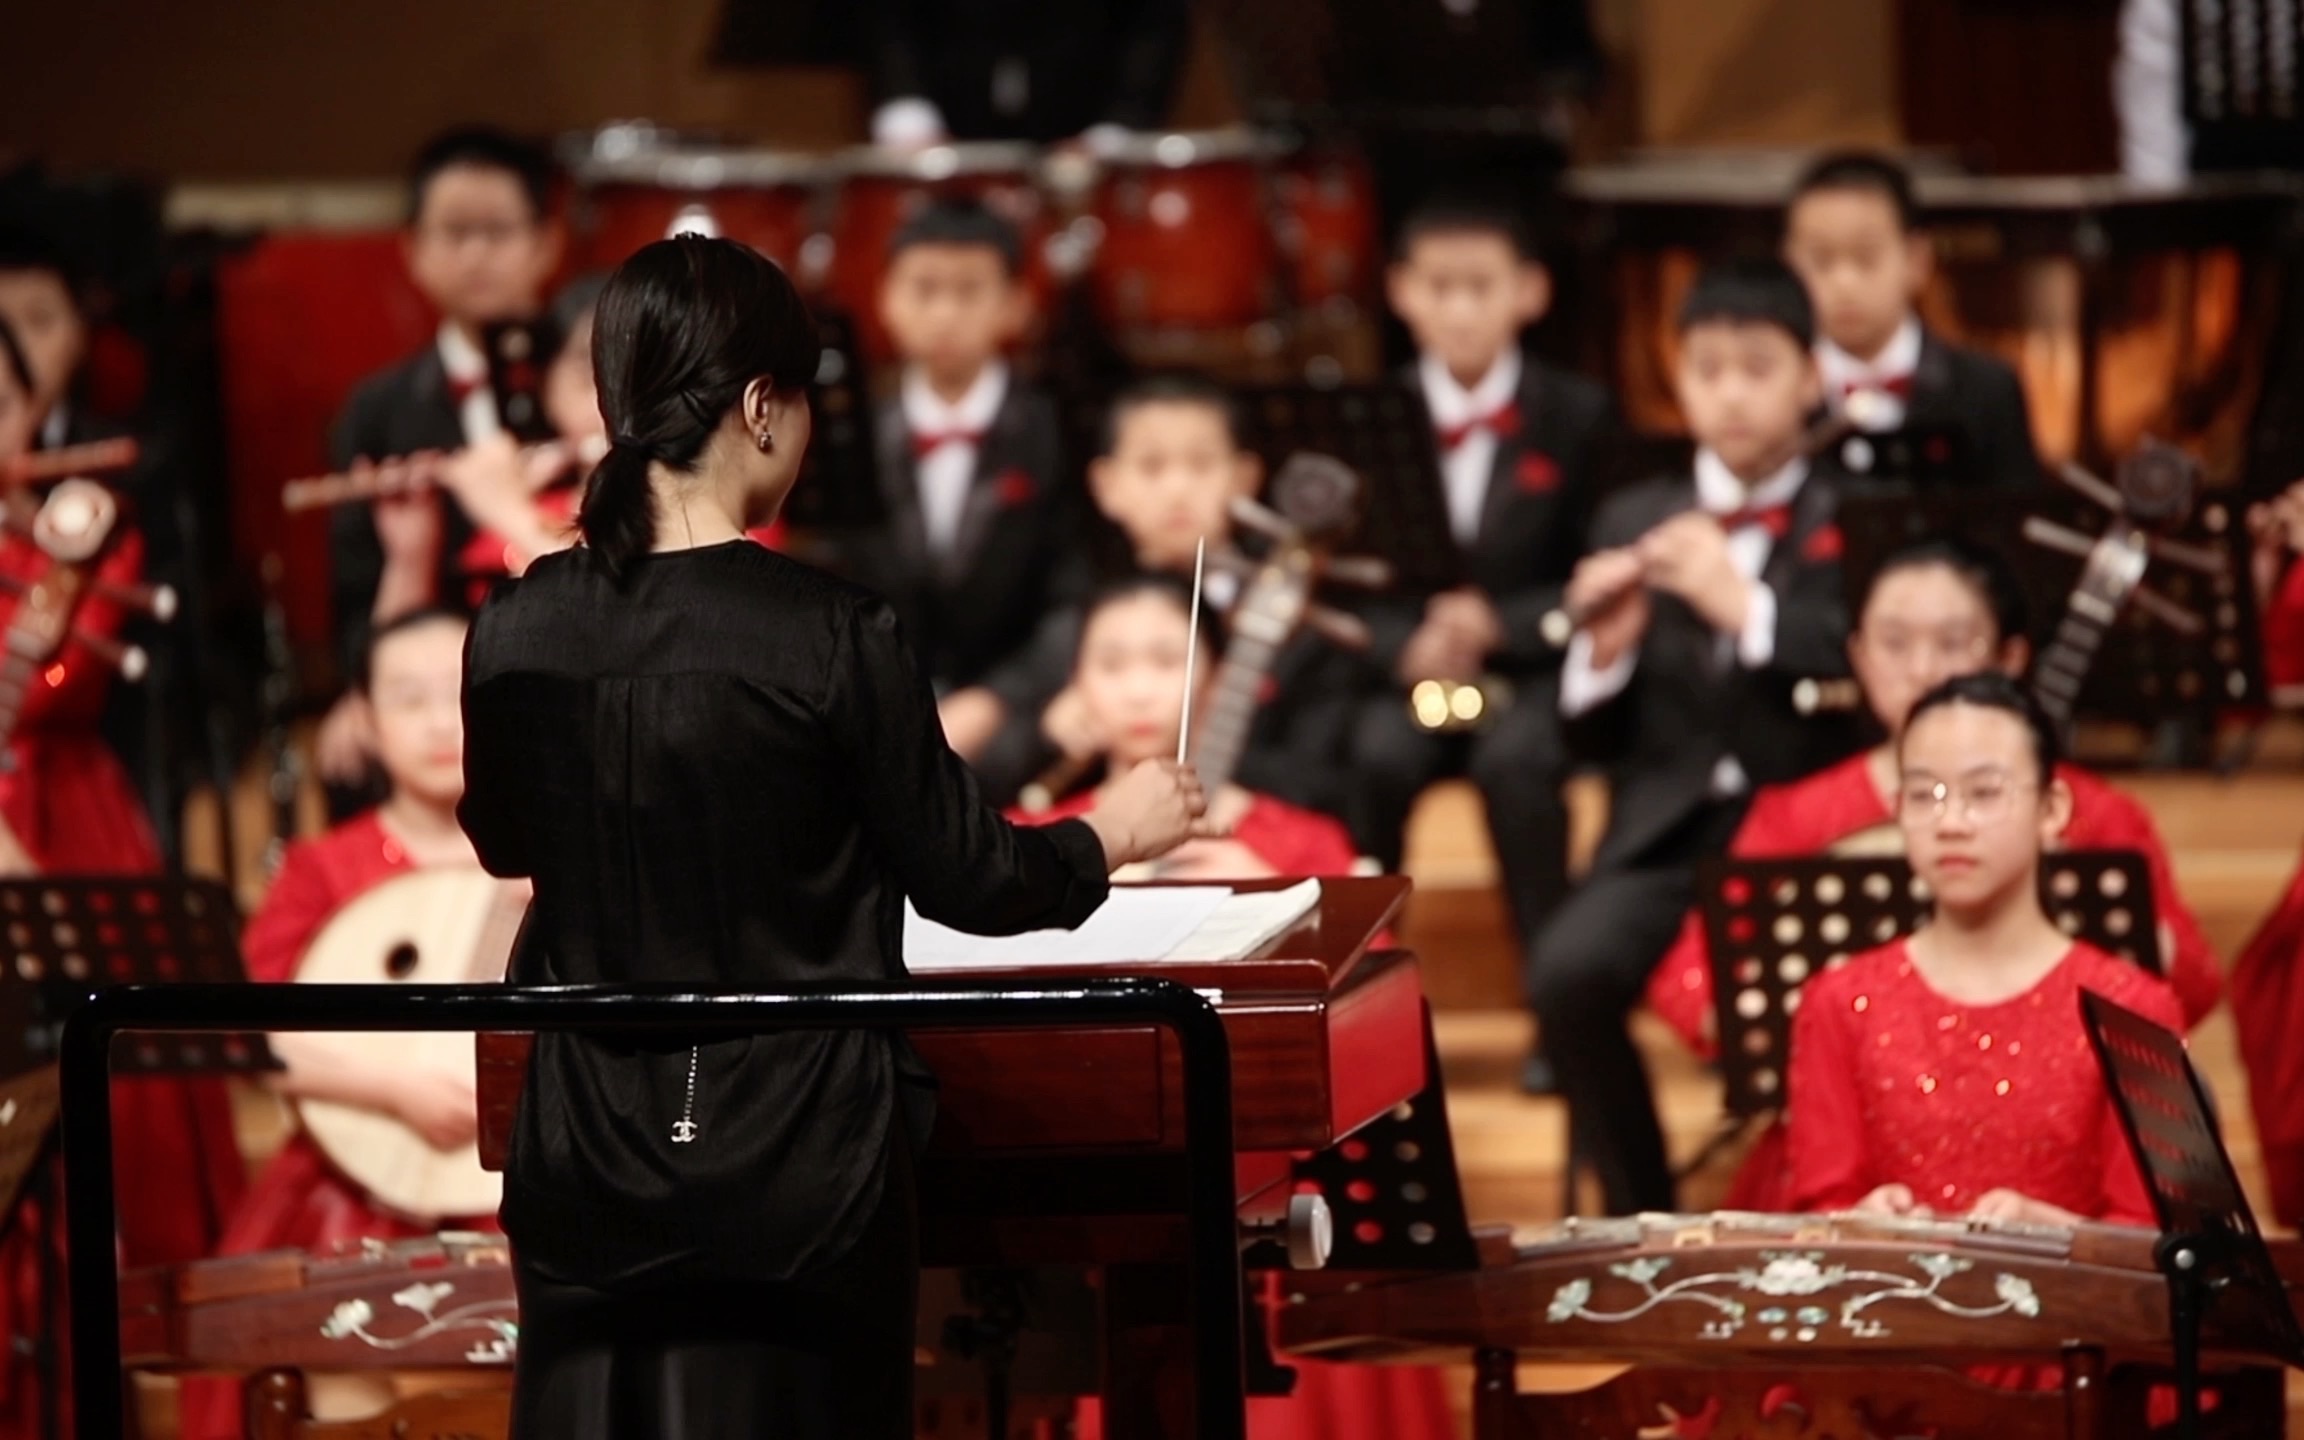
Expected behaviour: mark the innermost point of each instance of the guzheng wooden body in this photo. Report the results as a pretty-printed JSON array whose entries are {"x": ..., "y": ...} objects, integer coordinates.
[
  {"x": 1773, "y": 1290},
  {"x": 432, "y": 1304},
  {"x": 1065, "y": 1146}
]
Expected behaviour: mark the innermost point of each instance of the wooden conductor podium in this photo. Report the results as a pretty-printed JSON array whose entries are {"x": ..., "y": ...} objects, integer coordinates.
[{"x": 1052, "y": 1147}]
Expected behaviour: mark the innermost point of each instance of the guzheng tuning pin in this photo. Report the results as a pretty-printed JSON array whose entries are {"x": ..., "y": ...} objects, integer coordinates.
[
  {"x": 129, "y": 660},
  {"x": 157, "y": 601},
  {"x": 1308, "y": 1233}
]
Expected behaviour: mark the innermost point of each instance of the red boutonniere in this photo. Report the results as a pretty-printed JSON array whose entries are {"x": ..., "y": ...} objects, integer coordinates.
[
  {"x": 1269, "y": 691},
  {"x": 1015, "y": 488},
  {"x": 1824, "y": 543},
  {"x": 1537, "y": 474}
]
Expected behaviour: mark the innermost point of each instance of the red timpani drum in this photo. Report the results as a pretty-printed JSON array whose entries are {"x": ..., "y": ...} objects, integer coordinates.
[
  {"x": 1327, "y": 220},
  {"x": 635, "y": 184},
  {"x": 881, "y": 189},
  {"x": 1185, "y": 232}
]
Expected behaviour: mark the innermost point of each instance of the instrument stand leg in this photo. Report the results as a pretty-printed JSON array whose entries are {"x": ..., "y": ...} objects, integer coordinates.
[
  {"x": 47, "y": 1341},
  {"x": 989, "y": 1337},
  {"x": 2185, "y": 1260},
  {"x": 1495, "y": 1395},
  {"x": 1266, "y": 1375}
]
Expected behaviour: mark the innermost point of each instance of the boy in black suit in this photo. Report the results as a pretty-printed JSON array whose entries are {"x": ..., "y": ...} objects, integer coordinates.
[
  {"x": 978, "y": 522},
  {"x": 1706, "y": 599},
  {"x": 482, "y": 243},
  {"x": 1852, "y": 231},
  {"x": 1519, "y": 444}
]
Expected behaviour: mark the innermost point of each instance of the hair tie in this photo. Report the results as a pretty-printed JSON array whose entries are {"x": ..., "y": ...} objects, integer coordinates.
[{"x": 627, "y": 442}]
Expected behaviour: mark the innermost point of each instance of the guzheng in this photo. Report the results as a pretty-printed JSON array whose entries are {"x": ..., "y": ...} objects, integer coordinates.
[
  {"x": 443, "y": 1302},
  {"x": 1736, "y": 1289}
]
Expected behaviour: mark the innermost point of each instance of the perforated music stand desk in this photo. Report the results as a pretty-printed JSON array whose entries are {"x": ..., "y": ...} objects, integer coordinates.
[
  {"x": 66, "y": 937},
  {"x": 1383, "y": 431},
  {"x": 2145, "y": 671},
  {"x": 1771, "y": 924}
]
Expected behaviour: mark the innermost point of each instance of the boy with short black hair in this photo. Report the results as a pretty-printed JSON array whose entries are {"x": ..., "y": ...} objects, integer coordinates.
[
  {"x": 1707, "y": 598},
  {"x": 1853, "y": 232},
  {"x": 978, "y": 519},
  {"x": 1520, "y": 444},
  {"x": 482, "y": 244}
]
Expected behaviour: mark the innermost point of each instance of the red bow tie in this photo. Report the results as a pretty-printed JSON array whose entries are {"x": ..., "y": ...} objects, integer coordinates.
[
  {"x": 927, "y": 442},
  {"x": 1501, "y": 422},
  {"x": 463, "y": 388},
  {"x": 1900, "y": 386},
  {"x": 1775, "y": 519}
]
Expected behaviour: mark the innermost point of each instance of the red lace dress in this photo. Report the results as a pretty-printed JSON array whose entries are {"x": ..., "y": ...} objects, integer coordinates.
[
  {"x": 1891, "y": 1083},
  {"x": 1330, "y": 1402}
]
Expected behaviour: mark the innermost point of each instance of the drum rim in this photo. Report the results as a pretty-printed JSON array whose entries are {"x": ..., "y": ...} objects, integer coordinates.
[
  {"x": 952, "y": 160},
  {"x": 1183, "y": 149},
  {"x": 714, "y": 168}
]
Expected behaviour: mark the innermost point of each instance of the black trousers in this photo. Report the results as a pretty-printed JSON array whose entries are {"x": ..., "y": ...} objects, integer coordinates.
[
  {"x": 826, "y": 1356},
  {"x": 1518, "y": 762},
  {"x": 1588, "y": 968}
]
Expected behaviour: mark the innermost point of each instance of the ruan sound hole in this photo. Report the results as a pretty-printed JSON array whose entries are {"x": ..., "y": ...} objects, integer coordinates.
[{"x": 400, "y": 961}]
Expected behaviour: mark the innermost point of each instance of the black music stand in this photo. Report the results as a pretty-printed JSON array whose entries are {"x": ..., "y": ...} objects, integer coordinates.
[
  {"x": 1772, "y": 924},
  {"x": 67, "y": 936},
  {"x": 2145, "y": 672},
  {"x": 1393, "y": 1187},
  {"x": 839, "y": 485},
  {"x": 1384, "y": 432},
  {"x": 2210, "y": 1249}
]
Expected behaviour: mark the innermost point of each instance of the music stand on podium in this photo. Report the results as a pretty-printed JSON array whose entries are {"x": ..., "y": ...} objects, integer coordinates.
[
  {"x": 66, "y": 936},
  {"x": 2210, "y": 1249}
]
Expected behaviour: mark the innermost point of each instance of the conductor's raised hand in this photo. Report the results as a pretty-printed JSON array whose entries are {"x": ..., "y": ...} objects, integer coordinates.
[{"x": 1151, "y": 810}]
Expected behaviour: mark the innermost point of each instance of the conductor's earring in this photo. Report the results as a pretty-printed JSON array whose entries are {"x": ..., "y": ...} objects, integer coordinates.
[{"x": 767, "y": 442}]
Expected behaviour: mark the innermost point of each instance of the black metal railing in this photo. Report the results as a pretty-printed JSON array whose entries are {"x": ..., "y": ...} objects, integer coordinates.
[{"x": 1207, "y": 1065}]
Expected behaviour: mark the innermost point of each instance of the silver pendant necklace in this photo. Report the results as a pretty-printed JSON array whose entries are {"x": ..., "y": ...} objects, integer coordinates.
[{"x": 684, "y": 1129}]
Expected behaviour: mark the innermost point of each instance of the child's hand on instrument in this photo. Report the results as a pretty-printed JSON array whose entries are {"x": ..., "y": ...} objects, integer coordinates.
[
  {"x": 1609, "y": 593},
  {"x": 1688, "y": 556},
  {"x": 1890, "y": 1200},
  {"x": 438, "y": 1106},
  {"x": 346, "y": 742},
  {"x": 2016, "y": 1207},
  {"x": 1070, "y": 726}
]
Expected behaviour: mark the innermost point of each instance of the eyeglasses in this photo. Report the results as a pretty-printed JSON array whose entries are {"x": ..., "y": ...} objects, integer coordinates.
[
  {"x": 487, "y": 232},
  {"x": 1984, "y": 800}
]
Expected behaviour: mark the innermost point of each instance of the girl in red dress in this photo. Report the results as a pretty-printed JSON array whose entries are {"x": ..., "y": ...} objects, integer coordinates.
[
  {"x": 1129, "y": 677},
  {"x": 67, "y": 807},
  {"x": 1949, "y": 1073},
  {"x": 415, "y": 668},
  {"x": 1934, "y": 609},
  {"x": 2267, "y": 1009}
]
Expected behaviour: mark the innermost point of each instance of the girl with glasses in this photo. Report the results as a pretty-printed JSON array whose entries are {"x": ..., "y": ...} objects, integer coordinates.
[{"x": 1948, "y": 1073}]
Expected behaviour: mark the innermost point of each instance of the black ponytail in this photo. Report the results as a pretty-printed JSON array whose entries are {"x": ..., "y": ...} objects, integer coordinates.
[{"x": 683, "y": 327}]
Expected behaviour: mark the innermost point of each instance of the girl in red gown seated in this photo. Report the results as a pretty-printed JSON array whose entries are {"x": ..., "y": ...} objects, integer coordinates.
[
  {"x": 414, "y": 672},
  {"x": 1934, "y": 609},
  {"x": 2267, "y": 1010},
  {"x": 67, "y": 807},
  {"x": 1130, "y": 678},
  {"x": 1949, "y": 1073}
]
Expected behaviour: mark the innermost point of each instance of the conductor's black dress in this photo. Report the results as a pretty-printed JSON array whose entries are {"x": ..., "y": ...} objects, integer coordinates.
[{"x": 727, "y": 773}]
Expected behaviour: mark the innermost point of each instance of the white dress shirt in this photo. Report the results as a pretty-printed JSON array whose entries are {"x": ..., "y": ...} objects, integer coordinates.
[
  {"x": 1466, "y": 468},
  {"x": 1842, "y": 374},
  {"x": 465, "y": 364},
  {"x": 945, "y": 473},
  {"x": 1585, "y": 687}
]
